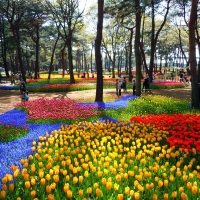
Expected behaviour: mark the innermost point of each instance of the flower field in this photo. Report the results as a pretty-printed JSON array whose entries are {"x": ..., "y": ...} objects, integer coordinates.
[{"x": 113, "y": 150}]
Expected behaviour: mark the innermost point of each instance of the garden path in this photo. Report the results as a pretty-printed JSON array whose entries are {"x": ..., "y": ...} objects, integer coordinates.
[{"x": 9, "y": 98}]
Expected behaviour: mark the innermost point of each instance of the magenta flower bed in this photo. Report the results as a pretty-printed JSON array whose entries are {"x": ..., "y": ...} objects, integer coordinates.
[
  {"x": 168, "y": 83},
  {"x": 57, "y": 109}
]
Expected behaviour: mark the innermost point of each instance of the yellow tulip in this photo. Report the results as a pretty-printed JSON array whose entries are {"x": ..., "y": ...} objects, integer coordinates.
[
  {"x": 48, "y": 188},
  {"x": 11, "y": 187},
  {"x": 27, "y": 184},
  {"x": 50, "y": 197},
  {"x": 4, "y": 187},
  {"x": 120, "y": 197},
  {"x": 116, "y": 186},
  {"x": 166, "y": 196},
  {"x": 183, "y": 196},
  {"x": 137, "y": 195},
  {"x": 189, "y": 185},
  {"x": 9, "y": 177},
  {"x": 174, "y": 194},
  {"x": 98, "y": 192},
  {"x": 33, "y": 193},
  {"x": 2, "y": 194},
  {"x": 118, "y": 177},
  {"x": 66, "y": 187},
  {"x": 75, "y": 180},
  {"x": 194, "y": 189},
  {"x": 127, "y": 190},
  {"x": 69, "y": 194},
  {"x": 80, "y": 193},
  {"x": 109, "y": 185},
  {"x": 132, "y": 193},
  {"x": 86, "y": 174},
  {"x": 155, "y": 197},
  {"x": 96, "y": 185},
  {"x": 89, "y": 190},
  {"x": 42, "y": 181}
]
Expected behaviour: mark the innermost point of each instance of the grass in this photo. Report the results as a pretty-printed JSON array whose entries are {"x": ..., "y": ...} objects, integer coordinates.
[{"x": 11, "y": 132}]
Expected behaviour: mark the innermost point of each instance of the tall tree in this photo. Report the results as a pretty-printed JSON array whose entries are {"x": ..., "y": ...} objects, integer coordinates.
[
  {"x": 192, "y": 55},
  {"x": 67, "y": 16},
  {"x": 14, "y": 12},
  {"x": 137, "y": 47},
  {"x": 155, "y": 34},
  {"x": 98, "y": 56}
]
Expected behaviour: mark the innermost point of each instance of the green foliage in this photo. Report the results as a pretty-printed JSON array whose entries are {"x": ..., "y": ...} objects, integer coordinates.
[
  {"x": 151, "y": 105},
  {"x": 10, "y": 132}
]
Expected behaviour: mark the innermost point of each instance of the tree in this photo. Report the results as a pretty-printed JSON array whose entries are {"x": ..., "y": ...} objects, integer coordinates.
[
  {"x": 137, "y": 47},
  {"x": 14, "y": 12},
  {"x": 67, "y": 16},
  {"x": 192, "y": 54},
  {"x": 155, "y": 34},
  {"x": 98, "y": 57}
]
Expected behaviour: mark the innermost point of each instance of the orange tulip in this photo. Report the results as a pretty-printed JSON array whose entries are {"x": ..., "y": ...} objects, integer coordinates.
[
  {"x": 194, "y": 189},
  {"x": 50, "y": 197},
  {"x": 183, "y": 196},
  {"x": 2, "y": 194},
  {"x": 166, "y": 196},
  {"x": 11, "y": 187},
  {"x": 42, "y": 181},
  {"x": 80, "y": 193},
  {"x": 33, "y": 193},
  {"x": 98, "y": 192},
  {"x": 174, "y": 194},
  {"x": 56, "y": 178},
  {"x": 120, "y": 197},
  {"x": 69, "y": 194},
  {"x": 48, "y": 188},
  {"x": 89, "y": 190},
  {"x": 109, "y": 185}
]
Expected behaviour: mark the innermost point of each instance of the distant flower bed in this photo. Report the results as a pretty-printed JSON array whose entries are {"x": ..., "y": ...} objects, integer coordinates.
[
  {"x": 167, "y": 85},
  {"x": 57, "y": 110}
]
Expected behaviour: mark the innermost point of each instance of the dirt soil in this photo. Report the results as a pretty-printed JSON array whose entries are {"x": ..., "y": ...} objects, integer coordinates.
[{"x": 9, "y": 98}]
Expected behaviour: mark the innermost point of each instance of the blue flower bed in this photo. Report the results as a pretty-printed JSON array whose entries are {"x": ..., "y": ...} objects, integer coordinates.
[{"x": 119, "y": 103}]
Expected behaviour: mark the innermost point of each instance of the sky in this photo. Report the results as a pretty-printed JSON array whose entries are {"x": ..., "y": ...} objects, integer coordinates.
[{"x": 88, "y": 3}]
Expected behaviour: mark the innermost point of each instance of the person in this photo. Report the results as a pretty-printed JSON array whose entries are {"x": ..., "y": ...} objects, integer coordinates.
[
  {"x": 119, "y": 87},
  {"x": 124, "y": 84},
  {"x": 134, "y": 86},
  {"x": 22, "y": 93},
  {"x": 22, "y": 82},
  {"x": 0, "y": 77},
  {"x": 143, "y": 85},
  {"x": 26, "y": 95},
  {"x": 147, "y": 83},
  {"x": 116, "y": 85}
]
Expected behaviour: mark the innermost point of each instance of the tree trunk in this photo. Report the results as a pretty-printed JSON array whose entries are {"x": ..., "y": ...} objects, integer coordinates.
[
  {"x": 19, "y": 55},
  {"x": 137, "y": 48},
  {"x": 98, "y": 57},
  {"x": 37, "y": 53},
  {"x": 70, "y": 58},
  {"x": 130, "y": 55},
  {"x": 192, "y": 55},
  {"x": 52, "y": 56}
]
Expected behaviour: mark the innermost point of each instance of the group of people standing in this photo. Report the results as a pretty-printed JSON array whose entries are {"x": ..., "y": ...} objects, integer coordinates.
[{"x": 121, "y": 84}]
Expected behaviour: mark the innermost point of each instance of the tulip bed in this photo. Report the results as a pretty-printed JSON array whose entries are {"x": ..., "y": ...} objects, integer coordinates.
[{"x": 128, "y": 156}]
